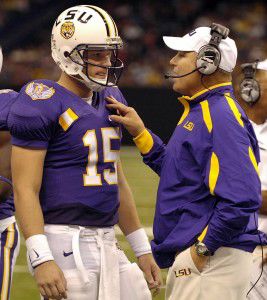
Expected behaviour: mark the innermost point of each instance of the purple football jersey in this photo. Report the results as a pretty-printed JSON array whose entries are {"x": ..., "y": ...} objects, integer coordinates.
[
  {"x": 7, "y": 98},
  {"x": 80, "y": 178}
]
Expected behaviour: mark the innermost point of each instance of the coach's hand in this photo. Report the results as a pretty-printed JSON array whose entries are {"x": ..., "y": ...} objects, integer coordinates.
[
  {"x": 127, "y": 116},
  {"x": 199, "y": 261},
  {"x": 51, "y": 281},
  {"x": 152, "y": 272}
]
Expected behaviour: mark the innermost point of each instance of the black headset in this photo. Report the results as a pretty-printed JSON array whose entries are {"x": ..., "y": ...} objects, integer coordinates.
[
  {"x": 209, "y": 56},
  {"x": 249, "y": 86}
]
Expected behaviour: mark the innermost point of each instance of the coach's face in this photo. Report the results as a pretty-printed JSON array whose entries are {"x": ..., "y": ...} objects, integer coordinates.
[{"x": 182, "y": 63}]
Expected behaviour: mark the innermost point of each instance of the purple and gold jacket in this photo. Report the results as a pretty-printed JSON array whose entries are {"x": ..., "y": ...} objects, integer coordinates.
[{"x": 209, "y": 186}]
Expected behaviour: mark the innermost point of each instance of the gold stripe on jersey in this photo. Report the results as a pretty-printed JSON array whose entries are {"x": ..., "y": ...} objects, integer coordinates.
[
  {"x": 234, "y": 109},
  {"x": 214, "y": 172},
  {"x": 7, "y": 266},
  {"x": 67, "y": 118},
  {"x": 253, "y": 159},
  {"x": 203, "y": 234},
  {"x": 186, "y": 109},
  {"x": 206, "y": 114},
  {"x": 107, "y": 19}
]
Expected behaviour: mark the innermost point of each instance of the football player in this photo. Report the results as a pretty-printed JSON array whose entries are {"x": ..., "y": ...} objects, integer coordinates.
[
  {"x": 69, "y": 185},
  {"x": 9, "y": 234}
]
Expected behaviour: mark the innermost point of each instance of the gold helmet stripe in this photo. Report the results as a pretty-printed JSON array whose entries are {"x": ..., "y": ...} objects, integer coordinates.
[
  {"x": 116, "y": 29},
  {"x": 110, "y": 24}
]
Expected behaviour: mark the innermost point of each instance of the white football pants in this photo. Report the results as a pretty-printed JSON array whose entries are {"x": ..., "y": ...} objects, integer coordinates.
[
  {"x": 225, "y": 277},
  {"x": 93, "y": 265}
]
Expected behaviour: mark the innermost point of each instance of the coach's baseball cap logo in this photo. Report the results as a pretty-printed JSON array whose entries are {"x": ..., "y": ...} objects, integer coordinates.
[
  {"x": 67, "y": 30},
  {"x": 192, "y": 32}
]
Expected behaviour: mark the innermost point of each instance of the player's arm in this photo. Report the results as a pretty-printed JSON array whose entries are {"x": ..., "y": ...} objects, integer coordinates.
[
  {"x": 130, "y": 225},
  {"x": 150, "y": 146},
  {"x": 5, "y": 169},
  {"x": 27, "y": 170},
  {"x": 32, "y": 124}
]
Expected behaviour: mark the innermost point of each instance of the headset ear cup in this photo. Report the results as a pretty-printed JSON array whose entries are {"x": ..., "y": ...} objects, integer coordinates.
[
  {"x": 208, "y": 59},
  {"x": 250, "y": 90}
]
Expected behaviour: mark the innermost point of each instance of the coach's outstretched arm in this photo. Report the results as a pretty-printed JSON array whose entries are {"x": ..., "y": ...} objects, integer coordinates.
[
  {"x": 150, "y": 145},
  {"x": 27, "y": 170}
]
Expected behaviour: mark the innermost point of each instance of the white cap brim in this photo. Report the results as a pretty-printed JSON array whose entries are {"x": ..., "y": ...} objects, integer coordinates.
[
  {"x": 262, "y": 65},
  {"x": 178, "y": 43}
]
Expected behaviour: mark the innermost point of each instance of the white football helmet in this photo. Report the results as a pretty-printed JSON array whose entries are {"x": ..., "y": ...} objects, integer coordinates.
[
  {"x": 1, "y": 59},
  {"x": 86, "y": 27}
]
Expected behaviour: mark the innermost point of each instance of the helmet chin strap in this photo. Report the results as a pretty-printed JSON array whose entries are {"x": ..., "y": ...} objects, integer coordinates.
[{"x": 93, "y": 86}]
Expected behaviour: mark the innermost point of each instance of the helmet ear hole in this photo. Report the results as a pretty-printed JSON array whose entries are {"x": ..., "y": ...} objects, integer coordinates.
[{"x": 66, "y": 54}]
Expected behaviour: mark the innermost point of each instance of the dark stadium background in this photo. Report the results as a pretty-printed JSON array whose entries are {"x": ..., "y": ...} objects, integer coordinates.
[{"x": 25, "y": 27}]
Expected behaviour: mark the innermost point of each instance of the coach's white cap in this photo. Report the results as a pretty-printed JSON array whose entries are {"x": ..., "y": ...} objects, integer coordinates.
[
  {"x": 199, "y": 37},
  {"x": 1, "y": 59},
  {"x": 262, "y": 65}
]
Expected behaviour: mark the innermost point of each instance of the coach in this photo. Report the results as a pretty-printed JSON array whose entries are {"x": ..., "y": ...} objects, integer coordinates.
[{"x": 205, "y": 225}]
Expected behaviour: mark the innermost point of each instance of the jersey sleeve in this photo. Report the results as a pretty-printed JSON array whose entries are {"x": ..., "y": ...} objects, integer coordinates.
[
  {"x": 7, "y": 98},
  {"x": 229, "y": 168},
  {"x": 32, "y": 120}
]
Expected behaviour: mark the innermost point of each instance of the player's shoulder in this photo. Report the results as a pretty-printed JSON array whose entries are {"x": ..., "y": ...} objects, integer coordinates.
[
  {"x": 7, "y": 97},
  {"x": 37, "y": 101},
  {"x": 7, "y": 93},
  {"x": 39, "y": 95},
  {"x": 39, "y": 91},
  {"x": 115, "y": 92}
]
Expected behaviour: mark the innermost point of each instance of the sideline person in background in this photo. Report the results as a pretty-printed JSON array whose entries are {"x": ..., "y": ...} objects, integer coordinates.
[
  {"x": 9, "y": 233},
  {"x": 252, "y": 94}
]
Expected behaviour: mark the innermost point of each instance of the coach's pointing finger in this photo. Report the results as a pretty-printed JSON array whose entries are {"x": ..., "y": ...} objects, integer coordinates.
[{"x": 128, "y": 117}]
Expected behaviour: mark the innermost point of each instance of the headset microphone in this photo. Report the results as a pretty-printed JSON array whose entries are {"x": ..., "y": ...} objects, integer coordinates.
[{"x": 167, "y": 76}]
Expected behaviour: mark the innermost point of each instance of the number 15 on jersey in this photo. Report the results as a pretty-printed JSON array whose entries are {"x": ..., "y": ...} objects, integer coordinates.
[{"x": 92, "y": 177}]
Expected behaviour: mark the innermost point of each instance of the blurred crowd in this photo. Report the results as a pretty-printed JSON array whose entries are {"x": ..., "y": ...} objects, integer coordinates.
[{"x": 25, "y": 27}]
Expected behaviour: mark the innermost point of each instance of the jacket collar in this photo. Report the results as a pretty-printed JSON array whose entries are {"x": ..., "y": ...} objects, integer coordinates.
[{"x": 203, "y": 94}]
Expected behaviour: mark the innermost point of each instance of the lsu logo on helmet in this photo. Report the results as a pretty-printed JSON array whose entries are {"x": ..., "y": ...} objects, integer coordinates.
[{"x": 67, "y": 30}]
